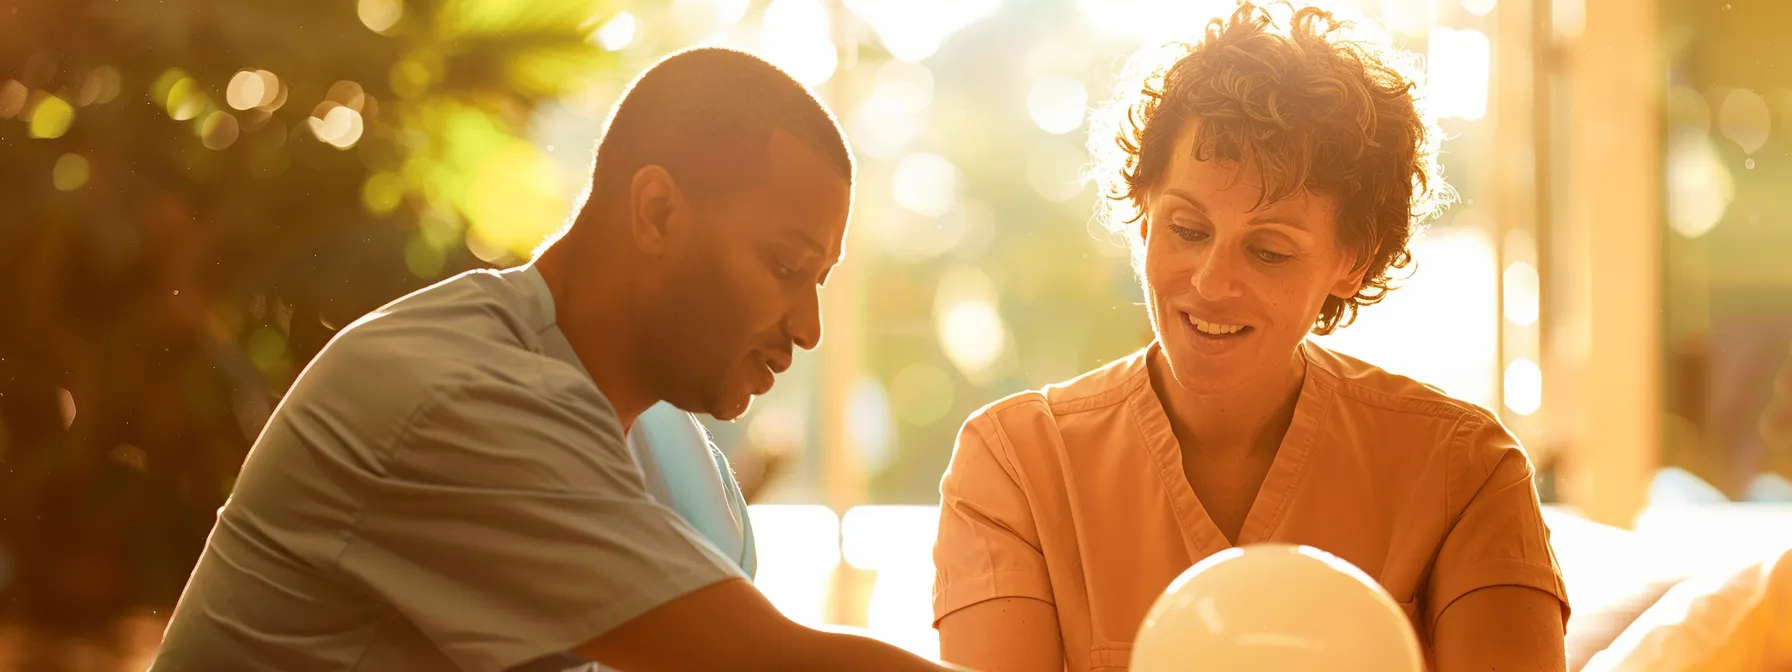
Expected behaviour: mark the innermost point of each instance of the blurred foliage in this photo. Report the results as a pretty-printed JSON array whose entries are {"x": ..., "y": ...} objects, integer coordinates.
[{"x": 194, "y": 194}]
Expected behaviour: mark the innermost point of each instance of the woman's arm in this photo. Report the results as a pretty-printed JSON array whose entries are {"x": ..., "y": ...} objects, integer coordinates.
[
  {"x": 1007, "y": 634},
  {"x": 1501, "y": 628}
]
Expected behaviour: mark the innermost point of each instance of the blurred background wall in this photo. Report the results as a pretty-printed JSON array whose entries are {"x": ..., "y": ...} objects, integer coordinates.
[{"x": 196, "y": 194}]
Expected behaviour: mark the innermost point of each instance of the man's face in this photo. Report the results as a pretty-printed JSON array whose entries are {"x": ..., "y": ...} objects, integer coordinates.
[{"x": 739, "y": 286}]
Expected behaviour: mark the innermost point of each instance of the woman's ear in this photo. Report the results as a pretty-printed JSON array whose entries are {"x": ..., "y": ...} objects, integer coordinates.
[{"x": 1350, "y": 281}]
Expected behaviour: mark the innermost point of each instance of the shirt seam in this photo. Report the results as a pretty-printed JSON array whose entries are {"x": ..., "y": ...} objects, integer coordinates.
[{"x": 352, "y": 532}]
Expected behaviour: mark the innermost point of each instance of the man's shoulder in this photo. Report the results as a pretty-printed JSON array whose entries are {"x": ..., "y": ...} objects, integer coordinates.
[
  {"x": 469, "y": 336},
  {"x": 463, "y": 326}
]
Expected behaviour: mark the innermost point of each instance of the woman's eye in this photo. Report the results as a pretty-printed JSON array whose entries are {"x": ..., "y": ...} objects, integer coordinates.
[
  {"x": 1272, "y": 257},
  {"x": 1188, "y": 234}
]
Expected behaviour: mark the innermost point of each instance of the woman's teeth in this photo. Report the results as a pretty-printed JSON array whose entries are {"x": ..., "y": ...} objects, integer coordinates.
[{"x": 1214, "y": 329}]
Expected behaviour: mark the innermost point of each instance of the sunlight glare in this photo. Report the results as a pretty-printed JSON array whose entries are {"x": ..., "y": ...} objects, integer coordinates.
[{"x": 795, "y": 36}]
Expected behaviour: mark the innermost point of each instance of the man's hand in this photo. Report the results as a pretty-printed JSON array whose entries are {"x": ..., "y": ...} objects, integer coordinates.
[{"x": 731, "y": 626}]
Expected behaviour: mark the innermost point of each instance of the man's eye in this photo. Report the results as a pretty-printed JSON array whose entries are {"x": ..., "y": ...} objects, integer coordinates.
[{"x": 783, "y": 269}]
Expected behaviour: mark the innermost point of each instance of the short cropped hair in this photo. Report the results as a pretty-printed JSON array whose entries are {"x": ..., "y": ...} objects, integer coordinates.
[
  {"x": 707, "y": 115},
  {"x": 1309, "y": 108}
]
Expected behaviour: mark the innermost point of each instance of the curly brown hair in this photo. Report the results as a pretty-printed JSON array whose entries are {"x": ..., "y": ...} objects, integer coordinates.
[{"x": 1310, "y": 108}]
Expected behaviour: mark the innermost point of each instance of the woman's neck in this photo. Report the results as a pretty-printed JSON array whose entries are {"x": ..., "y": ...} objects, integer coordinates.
[{"x": 1241, "y": 421}]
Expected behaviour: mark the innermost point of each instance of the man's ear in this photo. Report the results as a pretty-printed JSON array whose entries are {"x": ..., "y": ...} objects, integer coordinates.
[{"x": 653, "y": 197}]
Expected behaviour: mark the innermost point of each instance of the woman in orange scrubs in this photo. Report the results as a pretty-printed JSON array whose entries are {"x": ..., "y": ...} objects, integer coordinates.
[{"x": 1269, "y": 179}]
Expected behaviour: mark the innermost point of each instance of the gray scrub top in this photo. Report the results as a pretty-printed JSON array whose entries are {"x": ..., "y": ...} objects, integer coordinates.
[{"x": 442, "y": 488}]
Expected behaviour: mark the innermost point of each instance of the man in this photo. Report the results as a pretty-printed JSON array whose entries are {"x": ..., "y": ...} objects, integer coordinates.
[{"x": 447, "y": 486}]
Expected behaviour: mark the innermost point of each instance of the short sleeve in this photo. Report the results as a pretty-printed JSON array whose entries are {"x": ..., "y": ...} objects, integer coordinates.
[
  {"x": 1499, "y": 539},
  {"x": 511, "y": 523},
  {"x": 987, "y": 546}
]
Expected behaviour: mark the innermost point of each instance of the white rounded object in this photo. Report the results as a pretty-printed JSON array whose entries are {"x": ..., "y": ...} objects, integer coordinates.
[{"x": 1275, "y": 608}]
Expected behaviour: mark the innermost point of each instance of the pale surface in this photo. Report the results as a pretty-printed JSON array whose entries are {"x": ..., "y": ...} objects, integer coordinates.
[{"x": 1274, "y": 607}]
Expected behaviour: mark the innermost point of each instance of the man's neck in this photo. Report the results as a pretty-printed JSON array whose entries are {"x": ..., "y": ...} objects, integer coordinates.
[
  {"x": 1240, "y": 421},
  {"x": 596, "y": 318}
]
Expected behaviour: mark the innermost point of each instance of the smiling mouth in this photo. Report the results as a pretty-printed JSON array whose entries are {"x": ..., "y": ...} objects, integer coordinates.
[{"x": 1216, "y": 329}]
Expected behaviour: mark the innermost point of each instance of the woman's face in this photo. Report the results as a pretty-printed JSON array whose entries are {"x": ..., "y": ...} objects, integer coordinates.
[{"x": 1231, "y": 289}]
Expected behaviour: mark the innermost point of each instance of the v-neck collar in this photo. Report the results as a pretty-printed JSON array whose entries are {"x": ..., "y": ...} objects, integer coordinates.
[{"x": 1200, "y": 535}]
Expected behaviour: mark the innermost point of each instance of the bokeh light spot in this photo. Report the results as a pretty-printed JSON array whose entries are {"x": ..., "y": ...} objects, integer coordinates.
[
  {"x": 1057, "y": 104},
  {"x": 131, "y": 457},
  {"x": 339, "y": 126},
  {"x": 423, "y": 259},
  {"x": 12, "y": 98},
  {"x": 1479, "y": 7},
  {"x": 1054, "y": 169},
  {"x": 921, "y": 394},
  {"x": 482, "y": 249},
  {"x": 273, "y": 89},
  {"x": 1699, "y": 187},
  {"x": 411, "y": 78},
  {"x": 246, "y": 90},
  {"x": 794, "y": 35},
  {"x": 969, "y": 328},
  {"x": 894, "y": 115},
  {"x": 515, "y": 198},
  {"x": 70, "y": 172},
  {"x": 1460, "y": 68},
  {"x": 1521, "y": 293},
  {"x": 65, "y": 404},
  {"x": 440, "y": 229},
  {"x": 379, "y": 15},
  {"x": 267, "y": 349},
  {"x": 347, "y": 94},
  {"x": 51, "y": 118},
  {"x": 926, "y": 184},
  {"x": 868, "y": 414},
  {"x": 1524, "y": 386},
  {"x": 101, "y": 86},
  {"x": 219, "y": 131},
  {"x": 915, "y": 29},
  {"x": 1744, "y": 118},
  {"x": 185, "y": 99},
  {"x": 617, "y": 33},
  {"x": 382, "y": 193}
]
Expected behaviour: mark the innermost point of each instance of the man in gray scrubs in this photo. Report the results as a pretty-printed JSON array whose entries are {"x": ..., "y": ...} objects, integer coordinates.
[{"x": 447, "y": 486}]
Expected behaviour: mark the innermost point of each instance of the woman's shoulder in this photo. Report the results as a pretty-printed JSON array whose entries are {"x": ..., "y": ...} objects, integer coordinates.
[
  {"x": 1411, "y": 419},
  {"x": 1104, "y": 387},
  {"x": 1369, "y": 388}
]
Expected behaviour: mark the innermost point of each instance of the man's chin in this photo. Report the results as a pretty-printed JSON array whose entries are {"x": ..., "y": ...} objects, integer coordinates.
[
  {"x": 722, "y": 402},
  {"x": 726, "y": 408}
]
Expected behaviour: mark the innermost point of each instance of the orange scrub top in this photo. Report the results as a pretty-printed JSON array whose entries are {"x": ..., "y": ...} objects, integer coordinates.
[{"x": 1075, "y": 495}]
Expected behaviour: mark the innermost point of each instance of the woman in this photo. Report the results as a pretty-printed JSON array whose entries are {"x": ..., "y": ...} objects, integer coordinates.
[{"x": 1269, "y": 180}]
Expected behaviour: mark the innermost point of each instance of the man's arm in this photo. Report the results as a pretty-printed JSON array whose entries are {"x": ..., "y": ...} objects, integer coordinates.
[
  {"x": 731, "y": 626},
  {"x": 1008, "y": 634},
  {"x": 1501, "y": 628}
]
